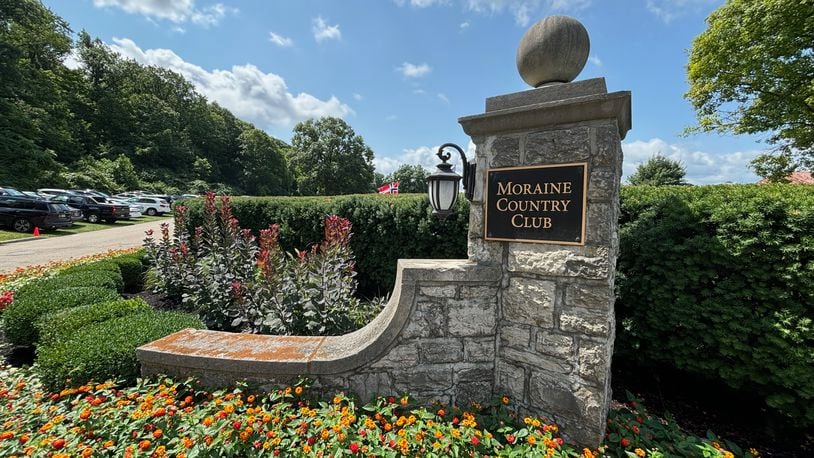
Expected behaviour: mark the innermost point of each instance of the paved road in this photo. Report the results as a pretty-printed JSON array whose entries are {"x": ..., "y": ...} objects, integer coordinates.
[{"x": 42, "y": 251}]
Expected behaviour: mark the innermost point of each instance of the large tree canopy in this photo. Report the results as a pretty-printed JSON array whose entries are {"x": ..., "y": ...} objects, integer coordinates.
[
  {"x": 411, "y": 178},
  {"x": 752, "y": 71},
  {"x": 328, "y": 158}
]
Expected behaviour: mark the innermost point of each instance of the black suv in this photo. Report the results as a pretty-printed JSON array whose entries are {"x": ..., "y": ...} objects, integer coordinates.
[
  {"x": 94, "y": 208},
  {"x": 23, "y": 214}
]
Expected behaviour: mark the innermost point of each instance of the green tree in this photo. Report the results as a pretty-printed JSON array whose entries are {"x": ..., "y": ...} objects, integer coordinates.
[
  {"x": 328, "y": 158},
  {"x": 34, "y": 115},
  {"x": 411, "y": 178},
  {"x": 774, "y": 167},
  {"x": 752, "y": 71},
  {"x": 659, "y": 171},
  {"x": 265, "y": 171}
]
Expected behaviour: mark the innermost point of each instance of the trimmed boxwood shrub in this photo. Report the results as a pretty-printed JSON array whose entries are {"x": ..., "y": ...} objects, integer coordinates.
[
  {"x": 20, "y": 317},
  {"x": 98, "y": 278},
  {"x": 719, "y": 281},
  {"x": 107, "y": 350},
  {"x": 132, "y": 269},
  {"x": 59, "y": 326},
  {"x": 385, "y": 228}
]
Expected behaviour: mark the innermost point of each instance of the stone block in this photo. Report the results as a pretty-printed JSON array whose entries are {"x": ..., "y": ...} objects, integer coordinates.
[
  {"x": 585, "y": 321},
  {"x": 597, "y": 295},
  {"x": 428, "y": 319},
  {"x": 558, "y": 146},
  {"x": 441, "y": 350},
  {"x": 608, "y": 146},
  {"x": 424, "y": 379},
  {"x": 511, "y": 380},
  {"x": 370, "y": 385},
  {"x": 504, "y": 152},
  {"x": 472, "y": 317},
  {"x": 594, "y": 363},
  {"x": 557, "y": 345},
  {"x": 480, "y": 373},
  {"x": 529, "y": 301},
  {"x": 552, "y": 397},
  {"x": 467, "y": 393},
  {"x": 483, "y": 252},
  {"x": 561, "y": 261},
  {"x": 437, "y": 291},
  {"x": 602, "y": 184},
  {"x": 550, "y": 364},
  {"x": 477, "y": 292},
  {"x": 515, "y": 336},
  {"x": 599, "y": 223},
  {"x": 400, "y": 356},
  {"x": 479, "y": 349},
  {"x": 475, "y": 221}
]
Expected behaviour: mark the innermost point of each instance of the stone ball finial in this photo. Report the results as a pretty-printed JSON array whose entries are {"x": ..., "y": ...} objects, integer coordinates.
[{"x": 554, "y": 50}]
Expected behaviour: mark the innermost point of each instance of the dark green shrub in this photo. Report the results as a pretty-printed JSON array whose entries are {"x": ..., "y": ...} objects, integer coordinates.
[
  {"x": 20, "y": 316},
  {"x": 132, "y": 269},
  {"x": 385, "y": 228},
  {"x": 59, "y": 326},
  {"x": 107, "y": 350},
  {"x": 719, "y": 281},
  {"x": 96, "y": 278}
]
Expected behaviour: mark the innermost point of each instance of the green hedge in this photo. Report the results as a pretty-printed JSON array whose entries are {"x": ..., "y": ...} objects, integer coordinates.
[
  {"x": 107, "y": 350},
  {"x": 132, "y": 269},
  {"x": 20, "y": 317},
  {"x": 385, "y": 228},
  {"x": 719, "y": 281},
  {"x": 59, "y": 326}
]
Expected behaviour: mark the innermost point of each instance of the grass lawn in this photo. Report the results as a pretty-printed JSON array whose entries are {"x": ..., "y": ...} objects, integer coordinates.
[{"x": 7, "y": 234}]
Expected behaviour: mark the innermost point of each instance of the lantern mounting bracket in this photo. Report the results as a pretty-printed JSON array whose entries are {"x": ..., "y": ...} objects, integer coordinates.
[{"x": 468, "y": 169}]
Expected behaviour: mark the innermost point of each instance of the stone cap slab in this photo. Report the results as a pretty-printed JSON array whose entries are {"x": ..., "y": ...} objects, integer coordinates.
[
  {"x": 615, "y": 105},
  {"x": 550, "y": 93}
]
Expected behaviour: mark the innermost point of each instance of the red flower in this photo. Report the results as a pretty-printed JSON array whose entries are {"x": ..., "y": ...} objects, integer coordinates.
[
  {"x": 475, "y": 440},
  {"x": 625, "y": 442},
  {"x": 354, "y": 447},
  {"x": 236, "y": 425},
  {"x": 58, "y": 444},
  {"x": 510, "y": 438}
]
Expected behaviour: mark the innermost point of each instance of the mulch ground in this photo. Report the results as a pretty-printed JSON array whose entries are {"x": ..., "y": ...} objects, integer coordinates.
[{"x": 700, "y": 405}]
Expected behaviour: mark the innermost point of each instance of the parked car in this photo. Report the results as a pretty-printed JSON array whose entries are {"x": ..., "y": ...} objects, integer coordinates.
[
  {"x": 55, "y": 192},
  {"x": 89, "y": 192},
  {"x": 9, "y": 191},
  {"x": 23, "y": 214},
  {"x": 135, "y": 209},
  {"x": 33, "y": 195},
  {"x": 95, "y": 209},
  {"x": 152, "y": 205}
]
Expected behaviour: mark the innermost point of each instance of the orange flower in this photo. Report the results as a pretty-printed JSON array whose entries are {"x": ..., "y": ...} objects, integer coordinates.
[
  {"x": 505, "y": 400},
  {"x": 84, "y": 415},
  {"x": 144, "y": 445},
  {"x": 158, "y": 433},
  {"x": 640, "y": 452},
  {"x": 298, "y": 390}
]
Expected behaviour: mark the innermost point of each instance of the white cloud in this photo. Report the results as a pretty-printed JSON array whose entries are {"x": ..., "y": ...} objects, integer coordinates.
[
  {"x": 595, "y": 60},
  {"x": 702, "y": 167},
  {"x": 443, "y": 98},
  {"x": 424, "y": 156},
  {"x": 179, "y": 29},
  {"x": 464, "y": 25},
  {"x": 668, "y": 10},
  {"x": 72, "y": 60},
  {"x": 522, "y": 10},
  {"x": 281, "y": 41},
  {"x": 391, "y": 117},
  {"x": 358, "y": 97},
  {"x": 245, "y": 90},
  {"x": 323, "y": 31},
  {"x": 177, "y": 11},
  {"x": 419, "y": 91},
  {"x": 413, "y": 71}
]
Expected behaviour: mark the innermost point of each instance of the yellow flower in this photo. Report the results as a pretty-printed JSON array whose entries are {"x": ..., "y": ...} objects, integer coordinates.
[
  {"x": 298, "y": 390},
  {"x": 639, "y": 452},
  {"x": 532, "y": 440}
]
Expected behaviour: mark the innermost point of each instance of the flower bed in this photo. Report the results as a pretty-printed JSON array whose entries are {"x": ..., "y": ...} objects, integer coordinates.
[{"x": 167, "y": 418}]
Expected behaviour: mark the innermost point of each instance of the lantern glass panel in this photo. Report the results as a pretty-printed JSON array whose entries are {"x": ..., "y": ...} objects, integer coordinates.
[{"x": 447, "y": 194}]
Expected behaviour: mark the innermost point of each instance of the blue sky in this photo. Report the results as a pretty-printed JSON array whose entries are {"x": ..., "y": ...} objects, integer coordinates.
[{"x": 401, "y": 72}]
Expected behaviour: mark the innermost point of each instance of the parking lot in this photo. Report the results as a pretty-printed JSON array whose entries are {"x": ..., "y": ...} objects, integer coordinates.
[{"x": 44, "y": 250}]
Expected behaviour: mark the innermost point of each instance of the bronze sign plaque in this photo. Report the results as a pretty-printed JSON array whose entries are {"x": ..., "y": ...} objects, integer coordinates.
[{"x": 538, "y": 204}]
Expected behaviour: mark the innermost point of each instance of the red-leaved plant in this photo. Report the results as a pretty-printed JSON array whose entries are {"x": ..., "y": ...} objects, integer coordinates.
[{"x": 239, "y": 283}]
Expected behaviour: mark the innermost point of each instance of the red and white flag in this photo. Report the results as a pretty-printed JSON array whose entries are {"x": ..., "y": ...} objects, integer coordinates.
[{"x": 390, "y": 188}]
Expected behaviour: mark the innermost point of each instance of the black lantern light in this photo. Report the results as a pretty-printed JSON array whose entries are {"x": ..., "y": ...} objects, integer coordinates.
[{"x": 442, "y": 185}]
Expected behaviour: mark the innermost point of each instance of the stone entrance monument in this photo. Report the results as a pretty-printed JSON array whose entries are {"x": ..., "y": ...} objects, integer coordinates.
[{"x": 530, "y": 313}]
